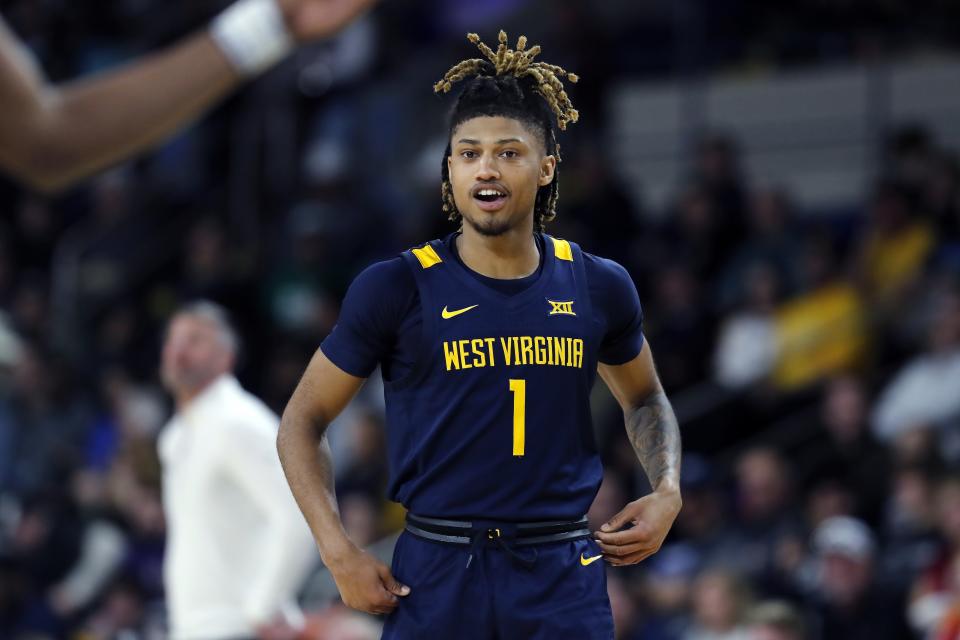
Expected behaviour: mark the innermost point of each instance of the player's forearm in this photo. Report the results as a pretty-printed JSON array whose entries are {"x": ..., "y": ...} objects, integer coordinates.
[
  {"x": 655, "y": 435},
  {"x": 308, "y": 465},
  {"x": 93, "y": 123}
]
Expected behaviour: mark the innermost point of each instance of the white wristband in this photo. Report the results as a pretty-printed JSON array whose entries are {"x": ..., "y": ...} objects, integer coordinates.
[{"x": 252, "y": 34}]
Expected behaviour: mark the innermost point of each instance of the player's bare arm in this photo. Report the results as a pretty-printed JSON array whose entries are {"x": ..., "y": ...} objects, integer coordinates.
[
  {"x": 51, "y": 136},
  {"x": 364, "y": 582},
  {"x": 655, "y": 435}
]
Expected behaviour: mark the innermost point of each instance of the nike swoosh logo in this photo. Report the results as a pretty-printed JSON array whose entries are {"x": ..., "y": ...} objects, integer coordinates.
[
  {"x": 450, "y": 314},
  {"x": 585, "y": 561}
]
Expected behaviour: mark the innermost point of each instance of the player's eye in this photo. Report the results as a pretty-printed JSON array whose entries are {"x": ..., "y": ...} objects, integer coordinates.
[
  {"x": 468, "y": 154},
  {"x": 509, "y": 153}
]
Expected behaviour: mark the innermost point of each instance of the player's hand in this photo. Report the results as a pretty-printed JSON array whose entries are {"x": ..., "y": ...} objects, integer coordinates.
[
  {"x": 312, "y": 19},
  {"x": 366, "y": 584},
  {"x": 649, "y": 520}
]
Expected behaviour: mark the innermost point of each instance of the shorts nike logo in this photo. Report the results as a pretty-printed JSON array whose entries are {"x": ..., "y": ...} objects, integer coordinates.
[
  {"x": 450, "y": 314},
  {"x": 585, "y": 561}
]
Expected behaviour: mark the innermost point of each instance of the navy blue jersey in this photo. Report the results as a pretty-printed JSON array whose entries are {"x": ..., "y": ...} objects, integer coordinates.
[{"x": 487, "y": 392}]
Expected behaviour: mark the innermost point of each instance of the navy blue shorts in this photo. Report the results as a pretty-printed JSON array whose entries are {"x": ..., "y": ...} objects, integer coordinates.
[{"x": 563, "y": 595}]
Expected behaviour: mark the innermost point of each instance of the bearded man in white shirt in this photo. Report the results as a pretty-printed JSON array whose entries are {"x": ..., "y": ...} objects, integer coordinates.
[{"x": 238, "y": 548}]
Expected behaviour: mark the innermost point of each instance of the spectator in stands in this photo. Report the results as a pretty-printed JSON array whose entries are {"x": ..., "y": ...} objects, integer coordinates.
[
  {"x": 822, "y": 330},
  {"x": 940, "y": 195},
  {"x": 909, "y": 529},
  {"x": 846, "y": 597},
  {"x": 772, "y": 240},
  {"x": 692, "y": 234},
  {"x": 895, "y": 245},
  {"x": 119, "y": 614},
  {"x": 678, "y": 329},
  {"x": 666, "y": 589},
  {"x": 927, "y": 389},
  {"x": 52, "y": 422},
  {"x": 843, "y": 448},
  {"x": 766, "y": 518},
  {"x": 717, "y": 169},
  {"x": 776, "y": 620},
  {"x": 720, "y": 601},
  {"x": 298, "y": 291},
  {"x": 747, "y": 346},
  {"x": 103, "y": 548},
  {"x": 935, "y": 602},
  {"x": 705, "y": 524}
]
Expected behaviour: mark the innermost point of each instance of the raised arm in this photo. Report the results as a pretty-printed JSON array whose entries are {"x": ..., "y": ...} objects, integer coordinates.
[
  {"x": 364, "y": 582},
  {"x": 51, "y": 136},
  {"x": 655, "y": 436}
]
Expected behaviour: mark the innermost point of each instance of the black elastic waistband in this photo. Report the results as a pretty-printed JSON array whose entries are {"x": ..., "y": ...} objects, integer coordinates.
[{"x": 522, "y": 534}]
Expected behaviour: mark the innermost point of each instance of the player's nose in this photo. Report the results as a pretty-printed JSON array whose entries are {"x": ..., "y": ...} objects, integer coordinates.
[{"x": 487, "y": 169}]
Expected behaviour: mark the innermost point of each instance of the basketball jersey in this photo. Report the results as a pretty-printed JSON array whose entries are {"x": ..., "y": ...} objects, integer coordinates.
[{"x": 493, "y": 421}]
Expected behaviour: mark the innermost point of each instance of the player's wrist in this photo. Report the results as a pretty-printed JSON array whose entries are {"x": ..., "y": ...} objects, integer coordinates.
[
  {"x": 338, "y": 553},
  {"x": 669, "y": 489},
  {"x": 253, "y": 35}
]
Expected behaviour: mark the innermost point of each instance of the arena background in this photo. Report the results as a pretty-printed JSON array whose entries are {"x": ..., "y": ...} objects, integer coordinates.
[{"x": 780, "y": 179}]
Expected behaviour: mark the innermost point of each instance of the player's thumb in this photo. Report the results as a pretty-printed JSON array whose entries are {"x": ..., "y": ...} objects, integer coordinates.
[{"x": 390, "y": 583}]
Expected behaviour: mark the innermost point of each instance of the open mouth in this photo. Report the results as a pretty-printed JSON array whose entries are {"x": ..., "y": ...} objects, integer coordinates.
[{"x": 490, "y": 198}]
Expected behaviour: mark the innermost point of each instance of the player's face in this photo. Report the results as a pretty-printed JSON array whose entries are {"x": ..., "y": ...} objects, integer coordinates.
[
  {"x": 496, "y": 166},
  {"x": 194, "y": 354}
]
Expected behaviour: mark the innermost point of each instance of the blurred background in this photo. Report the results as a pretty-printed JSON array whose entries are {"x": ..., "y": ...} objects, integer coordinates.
[{"x": 780, "y": 179}]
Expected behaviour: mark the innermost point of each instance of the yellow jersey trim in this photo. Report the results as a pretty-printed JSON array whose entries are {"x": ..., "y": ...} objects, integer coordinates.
[
  {"x": 561, "y": 248},
  {"x": 427, "y": 256}
]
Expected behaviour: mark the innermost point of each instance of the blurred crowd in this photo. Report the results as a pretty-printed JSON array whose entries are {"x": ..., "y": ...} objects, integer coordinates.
[{"x": 813, "y": 357}]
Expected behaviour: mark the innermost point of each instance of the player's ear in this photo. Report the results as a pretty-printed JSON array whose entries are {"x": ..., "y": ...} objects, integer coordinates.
[{"x": 548, "y": 167}]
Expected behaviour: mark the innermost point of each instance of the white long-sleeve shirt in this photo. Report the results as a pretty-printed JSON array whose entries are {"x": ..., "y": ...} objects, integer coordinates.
[
  {"x": 925, "y": 392},
  {"x": 237, "y": 546}
]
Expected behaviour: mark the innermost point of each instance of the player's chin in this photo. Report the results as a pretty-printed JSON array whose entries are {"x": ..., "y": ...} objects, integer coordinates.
[{"x": 490, "y": 224}]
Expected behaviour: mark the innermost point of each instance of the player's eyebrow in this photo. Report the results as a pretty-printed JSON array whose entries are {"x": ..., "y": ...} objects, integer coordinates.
[{"x": 500, "y": 141}]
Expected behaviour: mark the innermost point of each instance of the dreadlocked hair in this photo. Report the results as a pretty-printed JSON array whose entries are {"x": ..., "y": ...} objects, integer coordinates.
[{"x": 507, "y": 82}]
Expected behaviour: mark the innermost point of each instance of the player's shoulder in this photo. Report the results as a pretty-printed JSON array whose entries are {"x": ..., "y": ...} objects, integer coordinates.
[
  {"x": 395, "y": 275},
  {"x": 384, "y": 272},
  {"x": 385, "y": 279},
  {"x": 604, "y": 270}
]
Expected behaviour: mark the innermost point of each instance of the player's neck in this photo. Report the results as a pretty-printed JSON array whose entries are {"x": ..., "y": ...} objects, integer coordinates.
[{"x": 511, "y": 255}]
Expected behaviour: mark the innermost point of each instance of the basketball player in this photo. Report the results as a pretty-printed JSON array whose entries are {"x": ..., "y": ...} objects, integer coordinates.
[
  {"x": 489, "y": 341},
  {"x": 51, "y": 136}
]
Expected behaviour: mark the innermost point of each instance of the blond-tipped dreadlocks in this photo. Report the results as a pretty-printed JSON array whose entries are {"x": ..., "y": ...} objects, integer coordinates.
[
  {"x": 518, "y": 63},
  {"x": 509, "y": 83}
]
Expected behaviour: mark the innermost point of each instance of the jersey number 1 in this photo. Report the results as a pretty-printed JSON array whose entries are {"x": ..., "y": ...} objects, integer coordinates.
[{"x": 519, "y": 389}]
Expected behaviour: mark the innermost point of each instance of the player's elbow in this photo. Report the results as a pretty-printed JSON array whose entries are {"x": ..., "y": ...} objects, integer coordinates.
[
  {"x": 57, "y": 167},
  {"x": 47, "y": 184},
  {"x": 42, "y": 165},
  {"x": 301, "y": 418},
  {"x": 292, "y": 434},
  {"x": 41, "y": 148}
]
